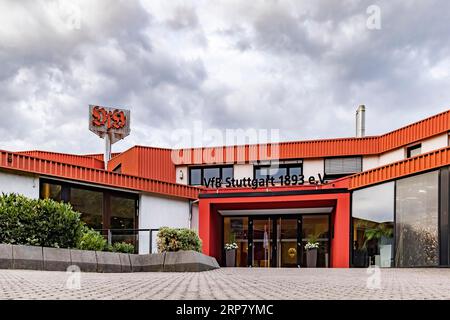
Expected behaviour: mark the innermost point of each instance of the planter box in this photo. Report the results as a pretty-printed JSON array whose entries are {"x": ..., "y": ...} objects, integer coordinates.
[
  {"x": 147, "y": 262},
  {"x": 125, "y": 262},
  {"x": 85, "y": 260},
  {"x": 188, "y": 261},
  {"x": 230, "y": 258},
  {"x": 6, "y": 256},
  {"x": 108, "y": 262},
  {"x": 311, "y": 258},
  {"x": 28, "y": 257},
  {"x": 56, "y": 259}
]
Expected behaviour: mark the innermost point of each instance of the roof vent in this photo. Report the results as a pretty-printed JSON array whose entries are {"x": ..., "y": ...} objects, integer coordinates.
[{"x": 361, "y": 121}]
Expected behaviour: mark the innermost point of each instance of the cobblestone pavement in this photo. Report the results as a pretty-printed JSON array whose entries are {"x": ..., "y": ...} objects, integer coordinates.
[{"x": 231, "y": 283}]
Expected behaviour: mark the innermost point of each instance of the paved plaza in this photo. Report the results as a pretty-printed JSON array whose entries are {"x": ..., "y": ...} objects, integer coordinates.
[{"x": 230, "y": 283}]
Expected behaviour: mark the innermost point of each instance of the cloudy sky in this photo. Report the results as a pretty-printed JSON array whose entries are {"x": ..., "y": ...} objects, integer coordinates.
[{"x": 299, "y": 66}]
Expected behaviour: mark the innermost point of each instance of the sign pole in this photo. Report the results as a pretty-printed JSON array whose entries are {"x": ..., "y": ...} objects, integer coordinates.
[{"x": 107, "y": 155}]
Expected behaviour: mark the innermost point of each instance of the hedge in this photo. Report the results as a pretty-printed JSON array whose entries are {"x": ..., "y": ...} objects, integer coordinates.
[
  {"x": 47, "y": 223},
  {"x": 38, "y": 222},
  {"x": 173, "y": 239}
]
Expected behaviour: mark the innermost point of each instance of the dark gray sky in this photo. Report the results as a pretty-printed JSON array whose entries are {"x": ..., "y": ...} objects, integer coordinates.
[{"x": 299, "y": 66}]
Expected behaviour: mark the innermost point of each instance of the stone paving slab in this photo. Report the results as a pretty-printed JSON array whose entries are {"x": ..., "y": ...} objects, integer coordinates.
[{"x": 230, "y": 283}]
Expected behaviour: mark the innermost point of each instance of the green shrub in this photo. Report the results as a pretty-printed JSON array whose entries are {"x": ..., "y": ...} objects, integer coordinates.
[
  {"x": 122, "y": 247},
  {"x": 38, "y": 222},
  {"x": 92, "y": 240},
  {"x": 172, "y": 239}
]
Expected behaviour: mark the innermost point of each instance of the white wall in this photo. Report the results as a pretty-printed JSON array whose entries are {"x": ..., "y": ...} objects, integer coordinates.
[
  {"x": 241, "y": 171},
  {"x": 392, "y": 156},
  {"x": 370, "y": 162},
  {"x": 22, "y": 184},
  {"x": 185, "y": 179},
  {"x": 156, "y": 212},
  {"x": 435, "y": 143},
  {"x": 312, "y": 167},
  {"x": 195, "y": 217}
]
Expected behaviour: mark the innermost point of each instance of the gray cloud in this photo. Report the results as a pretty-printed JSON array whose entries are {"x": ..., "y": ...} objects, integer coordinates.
[{"x": 299, "y": 66}]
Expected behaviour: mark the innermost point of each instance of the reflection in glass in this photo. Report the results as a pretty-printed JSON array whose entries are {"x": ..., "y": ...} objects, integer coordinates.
[
  {"x": 195, "y": 176},
  {"x": 373, "y": 226},
  {"x": 236, "y": 230},
  {"x": 209, "y": 173},
  {"x": 316, "y": 227},
  {"x": 287, "y": 242},
  {"x": 123, "y": 211},
  {"x": 51, "y": 191},
  {"x": 262, "y": 242},
  {"x": 90, "y": 204},
  {"x": 227, "y": 172},
  {"x": 417, "y": 216}
]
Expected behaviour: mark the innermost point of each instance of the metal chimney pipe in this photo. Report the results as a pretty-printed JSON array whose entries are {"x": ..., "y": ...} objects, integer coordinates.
[{"x": 361, "y": 121}]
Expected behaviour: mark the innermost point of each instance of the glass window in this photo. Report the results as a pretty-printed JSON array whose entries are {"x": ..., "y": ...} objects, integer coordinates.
[
  {"x": 263, "y": 172},
  {"x": 316, "y": 228},
  {"x": 236, "y": 230},
  {"x": 51, "y": 191},
  {"x": 195, "y": 176},
  {"x": 417, "y": 216},
  {"x": 209, "y": 173},
  {"x": 276, "y": 173},
  {"x": 201, "y": 176},
  {"x": 339, "y": 167},
  {"x": 227, "y": 172},
  {"x": 414, "y": 150},
  {"x": 123, "y": 212},
  {"x": 295, "y": 171},
  {"x": 373, "y": 225},
  {"x": 90, "y": 204}
]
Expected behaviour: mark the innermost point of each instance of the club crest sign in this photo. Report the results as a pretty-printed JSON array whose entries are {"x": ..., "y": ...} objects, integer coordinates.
[{"x": 111, "y": 122}]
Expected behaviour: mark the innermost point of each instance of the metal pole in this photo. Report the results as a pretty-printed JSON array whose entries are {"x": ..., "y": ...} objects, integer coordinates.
[
  {"x": 107, "y": 155},
  {"x": 361, "y": 121}
]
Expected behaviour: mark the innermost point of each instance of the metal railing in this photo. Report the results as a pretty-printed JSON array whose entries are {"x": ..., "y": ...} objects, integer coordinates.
[{"x": 136, "y": 237}]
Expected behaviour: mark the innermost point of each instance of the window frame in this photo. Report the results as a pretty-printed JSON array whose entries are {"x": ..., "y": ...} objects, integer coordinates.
[
  {"x": 412, "y": 148},
  {"x": 337, "y": 176},
  {"x": 202, "y": 175},
  {"x": 286, "y": 166},
  {"x": 107, "y": 193}
]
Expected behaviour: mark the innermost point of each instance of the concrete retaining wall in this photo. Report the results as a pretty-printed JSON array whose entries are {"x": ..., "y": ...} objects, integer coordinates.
[{"x": 54, "y": 259}]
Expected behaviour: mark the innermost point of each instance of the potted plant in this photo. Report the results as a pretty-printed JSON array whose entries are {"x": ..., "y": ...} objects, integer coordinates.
[
  {"x": 311, "y": 248},
  {"x": 230, "y": 252},
  {"x": 379, "y": 233}
]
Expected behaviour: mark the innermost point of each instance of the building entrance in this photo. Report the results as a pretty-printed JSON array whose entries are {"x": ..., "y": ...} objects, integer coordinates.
[{"x": 279, "y": 240}]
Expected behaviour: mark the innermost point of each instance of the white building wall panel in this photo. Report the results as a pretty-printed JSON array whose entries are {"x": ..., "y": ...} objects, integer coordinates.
[
  {"x": 27, "y": 185},
  {"x": 370, "y": 162},
  {"x": 312, "y": 167},
  {"x": 182, "y": 175},
  {"x": 435, "y": 143},
  {"x": 392, "y": 156},
  {"x": 156, "y": 212},
  {"x": 241, "y": 171}
]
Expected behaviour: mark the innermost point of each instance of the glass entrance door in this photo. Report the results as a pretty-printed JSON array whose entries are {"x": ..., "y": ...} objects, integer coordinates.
[
  {"x": 262, "y": 242},
  {"x": 275, "y": 242},
  {"x": 279, "y": 241},
  {"x": 288, "y": 249}
]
